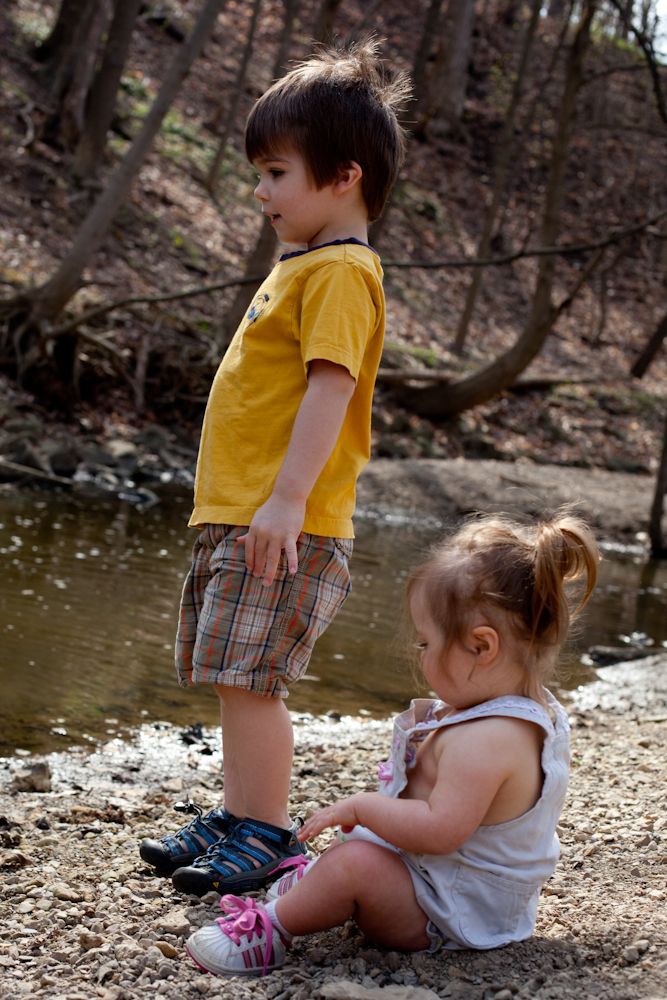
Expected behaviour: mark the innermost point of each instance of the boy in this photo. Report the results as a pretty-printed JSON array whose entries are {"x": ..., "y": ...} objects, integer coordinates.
[{"x": 285, "y": 435}]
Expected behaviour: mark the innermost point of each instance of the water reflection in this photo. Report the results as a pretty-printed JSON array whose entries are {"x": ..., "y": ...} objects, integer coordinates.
[{"x": 88, "y": 600}]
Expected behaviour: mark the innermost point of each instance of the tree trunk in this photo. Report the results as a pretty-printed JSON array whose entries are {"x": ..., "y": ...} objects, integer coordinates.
[
  {"x": 640, "y": 367},
  {"x": 415, "y": 117},
  {"x": 259, "y": 262},
  {"x": 49, "y": 299},
  {"x": 658, "y": 546},
  {"x": 213, "y": 176},
  {"x": 324, "y": 22},
  {"x": 102, "y": 96},
  {"x": 72, "y": 72},
  {"x": 59, "y": 40},
  {"x": 260, "y": 259},
  {"x": 450, "y": 73},
  {"x": 483, "y": 385},
  {"x": 505, "y": 149}
]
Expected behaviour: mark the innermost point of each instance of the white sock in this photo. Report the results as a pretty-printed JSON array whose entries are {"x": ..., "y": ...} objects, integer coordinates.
[{"x": 273, "y": 917}]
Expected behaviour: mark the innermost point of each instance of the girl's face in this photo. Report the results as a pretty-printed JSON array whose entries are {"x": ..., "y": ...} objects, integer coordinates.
[{"x": 449, "y": 672}]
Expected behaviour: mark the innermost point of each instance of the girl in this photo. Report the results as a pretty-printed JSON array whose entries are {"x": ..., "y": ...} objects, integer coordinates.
[{"x": 452, "y": 851}]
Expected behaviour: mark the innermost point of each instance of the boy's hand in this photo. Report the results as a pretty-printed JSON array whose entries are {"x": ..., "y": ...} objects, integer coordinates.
[
  {"x": 275, "y": 527},
  {"x": 342, "y": 814}
]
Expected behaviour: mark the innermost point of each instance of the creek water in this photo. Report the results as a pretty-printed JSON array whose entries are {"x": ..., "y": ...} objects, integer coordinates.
[{"x": 88, "y": 596}]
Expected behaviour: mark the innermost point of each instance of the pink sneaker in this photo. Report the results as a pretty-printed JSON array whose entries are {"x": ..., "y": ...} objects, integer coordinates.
[
  {"x": 244, "y": 943},
  {"x": 297, "y": 868}
]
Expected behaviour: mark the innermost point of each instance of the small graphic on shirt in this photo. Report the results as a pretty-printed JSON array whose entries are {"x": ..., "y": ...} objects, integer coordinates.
[{"x": 257, "y": 307}]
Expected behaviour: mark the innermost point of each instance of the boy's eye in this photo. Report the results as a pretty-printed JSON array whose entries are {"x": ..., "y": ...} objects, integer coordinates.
[{"x": 421, "y": 645}]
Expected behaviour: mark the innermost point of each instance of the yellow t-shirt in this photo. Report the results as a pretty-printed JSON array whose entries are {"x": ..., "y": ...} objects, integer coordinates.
[{"x": 323, "y": 304}]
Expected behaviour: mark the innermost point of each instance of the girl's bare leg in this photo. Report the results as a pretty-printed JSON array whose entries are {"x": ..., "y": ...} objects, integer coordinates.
[{"x": 364, "y": 881}]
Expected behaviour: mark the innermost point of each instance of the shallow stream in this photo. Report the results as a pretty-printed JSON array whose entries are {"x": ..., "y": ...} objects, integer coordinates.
[{"x": 88, "y": 597}]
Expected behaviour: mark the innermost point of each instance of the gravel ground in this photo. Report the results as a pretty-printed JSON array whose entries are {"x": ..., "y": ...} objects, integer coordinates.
[{"x": 81, "y": 917}]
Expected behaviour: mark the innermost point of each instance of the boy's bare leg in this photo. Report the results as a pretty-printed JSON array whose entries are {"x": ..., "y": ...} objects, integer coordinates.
[
  {"x": 257, "y": 748},
  {"x": 364, "y": 881}
]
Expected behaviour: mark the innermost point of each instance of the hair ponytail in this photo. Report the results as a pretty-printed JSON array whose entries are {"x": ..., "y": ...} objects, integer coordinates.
[{"x": 520, "y": 577}]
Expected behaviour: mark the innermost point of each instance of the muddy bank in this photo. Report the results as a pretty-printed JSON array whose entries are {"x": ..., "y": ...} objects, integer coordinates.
[
  {"x": 615, "y": 503},
  {"x": 81, "y": 917}
]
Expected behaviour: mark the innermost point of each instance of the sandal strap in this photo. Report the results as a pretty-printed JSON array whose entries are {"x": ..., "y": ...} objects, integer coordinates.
[
  {"x": 237, "y": 854},
  {"x": 206, "y": 828}
]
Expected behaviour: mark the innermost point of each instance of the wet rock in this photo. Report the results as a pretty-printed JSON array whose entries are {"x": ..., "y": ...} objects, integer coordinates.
[{"x": 35, "y": 778}]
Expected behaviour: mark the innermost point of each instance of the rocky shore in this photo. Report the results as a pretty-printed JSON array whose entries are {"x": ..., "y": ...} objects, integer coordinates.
[{"x": 81, "y": 917}]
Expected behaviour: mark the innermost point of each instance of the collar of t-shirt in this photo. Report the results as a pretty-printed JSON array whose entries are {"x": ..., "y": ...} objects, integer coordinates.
[{"x": 333, "y": 243}]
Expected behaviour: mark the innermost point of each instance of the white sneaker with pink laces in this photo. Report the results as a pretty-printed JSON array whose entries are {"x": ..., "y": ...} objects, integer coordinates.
[
  {"x": 296, "y": 869},
  {"x": 244, "y": 943}
]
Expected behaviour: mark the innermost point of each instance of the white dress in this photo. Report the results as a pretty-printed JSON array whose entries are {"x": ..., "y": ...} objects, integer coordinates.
[{"x": 485, "y": 894}]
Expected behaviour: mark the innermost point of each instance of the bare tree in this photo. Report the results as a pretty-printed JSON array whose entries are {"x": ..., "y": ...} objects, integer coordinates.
[
  {"x": 450, "y": 71},
  {"x": 101, "y": 100},
  {"x": 28, "y": 315},
  {"x": 213, "y": 176},
  {"x": 656, "y": 534},
  {"x": 505, "y": 149},
  {"x": 432, "y": 401},
  {"x": 71, "y": 72}
]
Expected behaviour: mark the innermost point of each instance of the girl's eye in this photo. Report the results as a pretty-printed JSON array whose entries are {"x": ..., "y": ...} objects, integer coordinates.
[
  {"x": 276, "y": 173},
  {"x": 421, "y": 646}
]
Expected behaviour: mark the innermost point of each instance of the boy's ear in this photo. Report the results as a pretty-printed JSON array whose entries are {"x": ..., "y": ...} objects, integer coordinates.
[
  {"x": 348, "y": 175},
  {"x": 486, "y": 644}
]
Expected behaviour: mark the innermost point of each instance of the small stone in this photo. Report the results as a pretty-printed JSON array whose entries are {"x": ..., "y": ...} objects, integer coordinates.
[
  {"x": 88, "y": 940},
  {"x": 36, "y": 778},
  {"x": 630, "y": 954},
  {"x": 503, "y": 995},
  {"x": 167, "y": 949},
  {"x": 202, "y": 985},
  {"x": 175, "y": 923},
  {"x": 65, "y": 892}
]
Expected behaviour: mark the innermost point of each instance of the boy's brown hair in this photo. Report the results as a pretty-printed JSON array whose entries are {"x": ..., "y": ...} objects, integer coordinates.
[{"x": 337, "y": 107}]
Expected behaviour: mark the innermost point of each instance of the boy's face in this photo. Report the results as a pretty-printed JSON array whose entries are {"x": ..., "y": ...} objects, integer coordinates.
[{"x": 298, "y": 211}]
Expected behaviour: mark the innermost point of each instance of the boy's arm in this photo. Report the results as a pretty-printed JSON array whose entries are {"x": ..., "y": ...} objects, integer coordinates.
[{"x": 278, "y": 522}]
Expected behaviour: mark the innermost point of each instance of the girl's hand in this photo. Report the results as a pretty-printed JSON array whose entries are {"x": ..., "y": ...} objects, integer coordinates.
[{"x": 342, "y": 814}]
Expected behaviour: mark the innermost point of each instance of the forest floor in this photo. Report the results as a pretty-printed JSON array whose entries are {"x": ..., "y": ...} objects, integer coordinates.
[{"x": 581, "y": 408}]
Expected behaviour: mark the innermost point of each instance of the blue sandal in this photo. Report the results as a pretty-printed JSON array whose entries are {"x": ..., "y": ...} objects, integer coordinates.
[
  {"x": 172, "y": 852},
  {"x": 248, "y": 859}
]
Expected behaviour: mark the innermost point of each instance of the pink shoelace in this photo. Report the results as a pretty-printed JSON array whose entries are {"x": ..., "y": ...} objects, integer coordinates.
[
  {"x": 243, "y": 917},
  {"x": 298, "y": 862}
]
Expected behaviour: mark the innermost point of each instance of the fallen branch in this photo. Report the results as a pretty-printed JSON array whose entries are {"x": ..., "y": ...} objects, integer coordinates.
[{"x": 28, "y": 470}]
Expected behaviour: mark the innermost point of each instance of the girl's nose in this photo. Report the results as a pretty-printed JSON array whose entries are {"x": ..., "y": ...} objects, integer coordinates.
[{"x": 260, "y": 192}]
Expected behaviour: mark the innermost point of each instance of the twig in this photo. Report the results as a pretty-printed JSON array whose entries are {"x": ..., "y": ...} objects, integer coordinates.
[
  {"x": 27, "y": 470},
  {"x": 565, "y": 250}
]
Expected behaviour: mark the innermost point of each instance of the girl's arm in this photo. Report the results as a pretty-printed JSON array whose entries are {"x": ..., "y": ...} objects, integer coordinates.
[
  {"x": 278, "y": 522},
  {"x": 473, "y": 762}
]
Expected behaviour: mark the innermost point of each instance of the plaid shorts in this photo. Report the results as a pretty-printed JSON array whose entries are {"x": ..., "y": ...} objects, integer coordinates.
[{"x": 233, "y": 630}]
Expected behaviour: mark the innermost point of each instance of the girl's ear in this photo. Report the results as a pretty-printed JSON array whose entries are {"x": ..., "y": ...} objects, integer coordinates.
[
  {"x": 348, "y": 175},
  {"x": 486, "y": 644}
]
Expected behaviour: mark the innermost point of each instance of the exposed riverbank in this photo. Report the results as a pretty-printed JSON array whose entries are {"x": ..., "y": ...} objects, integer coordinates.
[{"x": 81, "y": 917}]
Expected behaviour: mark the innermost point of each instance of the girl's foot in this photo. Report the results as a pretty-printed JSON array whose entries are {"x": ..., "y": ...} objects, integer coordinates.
[
  {"x": 244, "y": 943},
  {"x": 296, "y": 869}
]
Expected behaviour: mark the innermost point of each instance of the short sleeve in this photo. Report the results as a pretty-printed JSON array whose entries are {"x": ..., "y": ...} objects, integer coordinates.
[{"x": 338, "y": 316}]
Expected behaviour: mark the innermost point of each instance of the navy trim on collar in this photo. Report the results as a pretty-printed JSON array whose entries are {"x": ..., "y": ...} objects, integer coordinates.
[{"x": 333, "y": 243}]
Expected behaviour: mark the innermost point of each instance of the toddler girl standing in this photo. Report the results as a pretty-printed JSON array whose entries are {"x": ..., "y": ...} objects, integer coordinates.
[{"x": 453, "y": 849}]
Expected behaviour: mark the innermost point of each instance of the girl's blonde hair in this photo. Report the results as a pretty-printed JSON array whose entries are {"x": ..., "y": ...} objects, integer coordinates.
[{"x": 519, "y": 577}]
